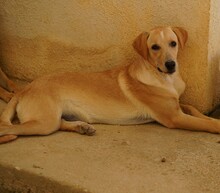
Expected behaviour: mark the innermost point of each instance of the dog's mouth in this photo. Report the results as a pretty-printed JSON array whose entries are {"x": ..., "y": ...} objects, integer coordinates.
[{"x": 168, "y": 72}]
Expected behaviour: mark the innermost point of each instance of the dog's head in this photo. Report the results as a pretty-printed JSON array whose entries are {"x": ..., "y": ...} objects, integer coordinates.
[{"x": 160, "y": 47}]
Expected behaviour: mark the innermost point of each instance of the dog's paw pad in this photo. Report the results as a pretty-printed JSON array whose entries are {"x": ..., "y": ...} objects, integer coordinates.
[{"x": 86, "y": 129}]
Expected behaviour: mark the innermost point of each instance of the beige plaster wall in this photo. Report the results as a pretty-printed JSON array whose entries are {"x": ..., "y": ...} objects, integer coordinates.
[
  {"x": 214, "y": 49},
  {"x": 39, "y": 37}
]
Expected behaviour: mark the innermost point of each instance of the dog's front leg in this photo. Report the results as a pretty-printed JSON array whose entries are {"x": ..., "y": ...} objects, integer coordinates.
[
  {"x": 176, "y": 118},
  {"x": 190, "y": 110},
  {"x": 184, "y": 121},
  {"x": 170, "y": 114}
]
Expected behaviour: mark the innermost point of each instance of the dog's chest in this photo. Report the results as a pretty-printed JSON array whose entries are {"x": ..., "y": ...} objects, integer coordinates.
[
  {"x": 172, "y": 83},
  {"x": 178, "y": 85}
]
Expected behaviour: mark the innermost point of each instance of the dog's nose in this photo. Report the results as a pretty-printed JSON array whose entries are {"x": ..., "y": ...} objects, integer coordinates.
[{"x": 170, "y": 65}]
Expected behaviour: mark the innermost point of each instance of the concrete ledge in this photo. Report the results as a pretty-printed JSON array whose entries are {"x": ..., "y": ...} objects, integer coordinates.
[{"x": 119, "y": 159}]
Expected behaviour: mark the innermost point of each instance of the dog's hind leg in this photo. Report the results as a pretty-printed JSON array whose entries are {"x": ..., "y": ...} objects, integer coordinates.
[
  {"x": 32, "y": 127},
  {"x": 77, "y": 126},
  {"x": 10, "y": 132}
]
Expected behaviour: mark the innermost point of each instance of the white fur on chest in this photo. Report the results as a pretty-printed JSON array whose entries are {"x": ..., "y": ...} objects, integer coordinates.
[{"x": 172, "y": 83}]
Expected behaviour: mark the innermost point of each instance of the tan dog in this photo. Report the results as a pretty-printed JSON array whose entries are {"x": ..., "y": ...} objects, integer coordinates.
[
  {"x": 7, "y": 87},
  {"x": 138, "y": 93}
]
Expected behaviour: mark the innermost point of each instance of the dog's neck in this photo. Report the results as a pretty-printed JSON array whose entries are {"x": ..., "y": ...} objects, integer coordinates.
[
  {"x": 156, "y": 71},
  {"x": 150, "y": 75}
]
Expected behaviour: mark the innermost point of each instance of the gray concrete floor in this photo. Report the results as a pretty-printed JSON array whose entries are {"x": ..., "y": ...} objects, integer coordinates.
[{"x": 118, "y": 159}]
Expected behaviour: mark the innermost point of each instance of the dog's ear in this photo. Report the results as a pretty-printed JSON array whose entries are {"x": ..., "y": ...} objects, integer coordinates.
[
  {"x": 140, "y": 45},
  {"x": 181, "y": 34}
]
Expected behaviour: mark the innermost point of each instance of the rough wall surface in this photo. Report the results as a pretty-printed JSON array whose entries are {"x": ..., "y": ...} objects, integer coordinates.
[
  {"x": 39, "y": 37},
  {"x": 214, "y": 49}
]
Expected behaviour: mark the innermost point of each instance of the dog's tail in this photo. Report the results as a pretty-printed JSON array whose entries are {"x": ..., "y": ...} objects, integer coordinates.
[
  {"x": 7, "y": 138},
  {"x": 9, "y": 112},
  {"x": 6, "y": 119}
]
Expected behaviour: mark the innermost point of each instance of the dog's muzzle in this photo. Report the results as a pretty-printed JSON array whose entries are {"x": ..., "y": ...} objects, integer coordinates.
[{"x": 171, "y": 66}]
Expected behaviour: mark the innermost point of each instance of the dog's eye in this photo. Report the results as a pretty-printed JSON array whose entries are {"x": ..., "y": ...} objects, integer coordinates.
[
  {"x": 173, "y": 44},
  {"x": 155, "y": 47}
]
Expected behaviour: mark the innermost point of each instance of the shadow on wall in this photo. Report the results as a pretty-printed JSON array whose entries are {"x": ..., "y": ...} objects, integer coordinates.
[
  {"x": 30, "y": 58},
  {"x": 1, "y": 45},
  {"x": 216, "y": 79}
]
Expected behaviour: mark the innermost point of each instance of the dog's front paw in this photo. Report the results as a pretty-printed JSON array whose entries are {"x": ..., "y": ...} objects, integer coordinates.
[{"x": 86, "y": 129}]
